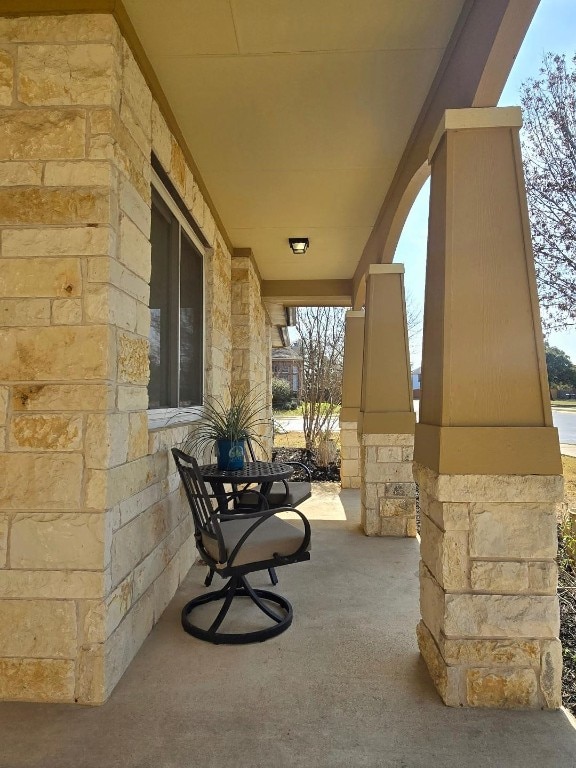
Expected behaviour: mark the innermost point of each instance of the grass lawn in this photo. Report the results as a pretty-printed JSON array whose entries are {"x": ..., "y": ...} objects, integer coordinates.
[
  {"x": 298, "y": 412},
  {"x": 564, "y": 405},
  {"x": 296, "y": 440}
]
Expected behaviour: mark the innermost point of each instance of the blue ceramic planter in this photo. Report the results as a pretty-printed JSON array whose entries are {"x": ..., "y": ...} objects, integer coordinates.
[{"x": 230, "y": 454}]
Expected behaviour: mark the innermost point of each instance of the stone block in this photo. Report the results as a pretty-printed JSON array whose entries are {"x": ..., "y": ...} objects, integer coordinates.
[
  {"x": 349, "y": 467},
  {"x": 551, "y": 673},
  {"x": 37, "y": 680},
  {"x": 42, "y": 134},
  {"x": 445, "y": 678},
  {"x": 411, "y": 529},
  {"x": 125, "y": 642},
  {"x": 62, "y": 397},
  {"x": 400, "y": 489},
  {"x": 506, "y": 616},
  {"x": 513, "y": 530},
  {"x": 394, "y": 472},
  {"x": 132, "y": 398},
  {"x": 118, "y": 603},
  {"x": 135, "y": 89},
  {"x": 446, "y": 515},
  {"x": 51, "y": 585},
  {"x": 137, "y": 435},
  {"x": 67, "y": 74},
  {"x": 20, "y": 174},
  {"x": 513, "y": 689},
  {"x": 58, "y": 541},
  {"x": 543, "y": 577},
  {"x": 54, "y": 206},
  {"x": 432, "y": 599},
  {"x": 161, "y": 138},
  {"x": 548, "y": 489},
  {"x": 106, "y": 270},
  {"x": 40, "y": 481},
  {"x": 404, "y": 440},
  {"x": 134, "y": 248},
  {"x": 66, "y": 311},
  {"x": 134, "y": 206},
  {"x": 20, "y": 621},
  {"x": 141, "y": 133},
  {"x": 6, "y": 77},
  {"x": 140, "y": 502},
  {"x": 106, "y": 443},
  {"x": 90, "y": 675},
  {"x": 105, "y": 489},
  {"x": 24, "y": 312},
  {"x": 84, "y": 173},
  {"x": 445, "y": 555},
  {"x": 397, "y": 507},
  {"x": 45, "y": 432},
  {"x": 3, "y": 539},
  {"x": 408, "y": 453},
  {"x": 165, "y": 587},
  {"x": 501, "y": 578},
  {"x": 40, "y": 277},
  {"x": 388, "y": 453},
  {"x": 105, "y": 304},
  {"x": 133, "y": 364},
  {"x": 393, "y": 526},
  {"x": 490, "y": 653},
  {"x": 178, "y": 168},
  {"x": 67, "y": 241}
]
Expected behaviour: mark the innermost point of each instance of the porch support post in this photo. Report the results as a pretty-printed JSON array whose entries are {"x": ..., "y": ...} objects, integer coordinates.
[
  {"x": 351, "y": 395},
  {"x": 487, "y": 458},
  {"x": 386, "y": 420}
]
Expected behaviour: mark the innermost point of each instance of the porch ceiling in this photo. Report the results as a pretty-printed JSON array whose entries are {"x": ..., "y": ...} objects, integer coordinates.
[{"x": 298, "y": 113}]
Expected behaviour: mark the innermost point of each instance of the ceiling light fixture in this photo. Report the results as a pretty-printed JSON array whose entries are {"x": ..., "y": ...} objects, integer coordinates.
[{"x": 299, "y": 245}]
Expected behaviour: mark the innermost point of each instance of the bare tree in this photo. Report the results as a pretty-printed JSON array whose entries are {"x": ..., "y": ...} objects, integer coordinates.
[
  {"x": 549, "y": 149},
  {"x": 321, "y": 332}
]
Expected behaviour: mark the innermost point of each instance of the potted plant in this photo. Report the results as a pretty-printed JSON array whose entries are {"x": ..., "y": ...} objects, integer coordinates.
[{"x": 226, "y": 424}]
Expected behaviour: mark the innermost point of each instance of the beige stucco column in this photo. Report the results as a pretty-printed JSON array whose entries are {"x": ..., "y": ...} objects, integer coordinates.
[
  {"x": 487, "y": 459},
  {"x": 351, "y": 396},
  {"x": 386, "y": 420}
]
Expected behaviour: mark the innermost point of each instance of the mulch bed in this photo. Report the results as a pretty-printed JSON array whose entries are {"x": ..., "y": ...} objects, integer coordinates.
[
  {"x": 331, "y": 473},
  {"x": 567, "y": 596}
]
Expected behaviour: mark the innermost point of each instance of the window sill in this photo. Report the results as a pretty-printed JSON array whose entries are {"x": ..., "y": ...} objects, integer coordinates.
[{"x": 164, "y": 418}]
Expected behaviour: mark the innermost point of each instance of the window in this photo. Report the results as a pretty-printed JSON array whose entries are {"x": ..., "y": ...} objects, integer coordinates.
[{"x": 176, "y": 308}]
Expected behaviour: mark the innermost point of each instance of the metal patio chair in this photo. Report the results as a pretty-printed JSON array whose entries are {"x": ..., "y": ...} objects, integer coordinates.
[
  {"x": 235, "y": 545},
  {"x": 283, "y": 493}
]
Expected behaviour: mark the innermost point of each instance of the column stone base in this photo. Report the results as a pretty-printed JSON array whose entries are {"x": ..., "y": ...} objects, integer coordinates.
[
  {"x": 488, "y": 577},
  {"x": 388, "y": 491},
  {"x": 349, "y": 454}
]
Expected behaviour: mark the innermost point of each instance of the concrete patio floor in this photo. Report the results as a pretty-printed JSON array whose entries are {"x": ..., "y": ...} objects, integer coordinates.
[{"x": 344, "y": 686}]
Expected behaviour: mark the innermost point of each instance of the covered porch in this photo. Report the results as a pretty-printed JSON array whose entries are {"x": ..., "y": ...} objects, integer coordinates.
[
  {"x": 344, "y": 687},
  {"x": 155, "y": 161}
]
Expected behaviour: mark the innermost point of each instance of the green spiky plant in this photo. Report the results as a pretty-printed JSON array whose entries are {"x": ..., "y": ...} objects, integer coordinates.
[{"x": 234, "y": 418}]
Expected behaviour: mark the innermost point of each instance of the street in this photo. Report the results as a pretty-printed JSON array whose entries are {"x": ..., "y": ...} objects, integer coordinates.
[{"x": 564, "y": 421}]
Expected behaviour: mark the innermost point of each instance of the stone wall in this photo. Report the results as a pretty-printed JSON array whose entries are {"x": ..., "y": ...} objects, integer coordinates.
[
  {"x": 94, "y": 536},
  {"x": 388, "y": 491},
  {"x": 488, "y": 576},
  {"x": 251, "y": 339},
  {"x": 350, "y": 453}
]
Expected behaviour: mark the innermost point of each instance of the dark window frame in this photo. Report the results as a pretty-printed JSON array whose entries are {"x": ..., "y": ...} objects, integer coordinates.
[{"x": 168, "y": 208}]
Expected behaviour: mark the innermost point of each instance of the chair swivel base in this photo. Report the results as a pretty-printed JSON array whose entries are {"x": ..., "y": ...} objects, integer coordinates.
[{"x": 238, "y": 586}]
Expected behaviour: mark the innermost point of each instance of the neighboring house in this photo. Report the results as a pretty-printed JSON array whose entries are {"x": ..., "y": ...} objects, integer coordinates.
[
  {"x": 416, "y": 382},
  {"x": 288, "y": 364}
]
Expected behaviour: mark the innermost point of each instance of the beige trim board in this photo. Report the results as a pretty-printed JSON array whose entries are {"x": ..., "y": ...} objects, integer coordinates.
[
  {"x": 337, "y": 293},
  {"x": 488, "y": 450},
  {"x": 475, "y": 117},
  {"x": 387, "y": 423},
  {"x": 349, "y": 415},
  {"x": 355, "y": 313},
  {"x": 386, "y": 269},
  {"x": 117, "y": 9}
]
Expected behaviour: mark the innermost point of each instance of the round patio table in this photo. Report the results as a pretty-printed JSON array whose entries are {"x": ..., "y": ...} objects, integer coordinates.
[{"x": 264, "y": 473}]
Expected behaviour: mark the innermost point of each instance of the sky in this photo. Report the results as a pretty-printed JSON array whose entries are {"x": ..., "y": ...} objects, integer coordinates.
[{"x": 553, "y": 29}]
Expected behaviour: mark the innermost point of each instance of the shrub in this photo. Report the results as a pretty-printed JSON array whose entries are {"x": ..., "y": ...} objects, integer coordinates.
[{"x": 281, "y": 394}]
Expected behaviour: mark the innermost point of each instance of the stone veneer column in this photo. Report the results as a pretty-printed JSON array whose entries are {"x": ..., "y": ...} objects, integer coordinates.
[
  {"x": 487, "y": 458},
  {"x": 351, "y": 397},
  {"x": 386, "y": 421},
  {"x": 251, "y": 337}
]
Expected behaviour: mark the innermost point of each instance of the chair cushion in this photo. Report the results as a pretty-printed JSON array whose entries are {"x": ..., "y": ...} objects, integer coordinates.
[
  {"x": 272, "y": 536},
  {"x": 297, "y": 493}
]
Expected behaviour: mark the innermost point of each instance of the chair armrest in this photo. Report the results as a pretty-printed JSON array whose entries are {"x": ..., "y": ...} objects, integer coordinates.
[
  {"x": 237, "y": 494},
  {"x": 261, "y": 516},
  {"x": 302, "y": 466}
]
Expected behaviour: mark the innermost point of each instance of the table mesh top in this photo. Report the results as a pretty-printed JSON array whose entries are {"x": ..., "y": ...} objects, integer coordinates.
[{"x": 254, "y": 470}]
